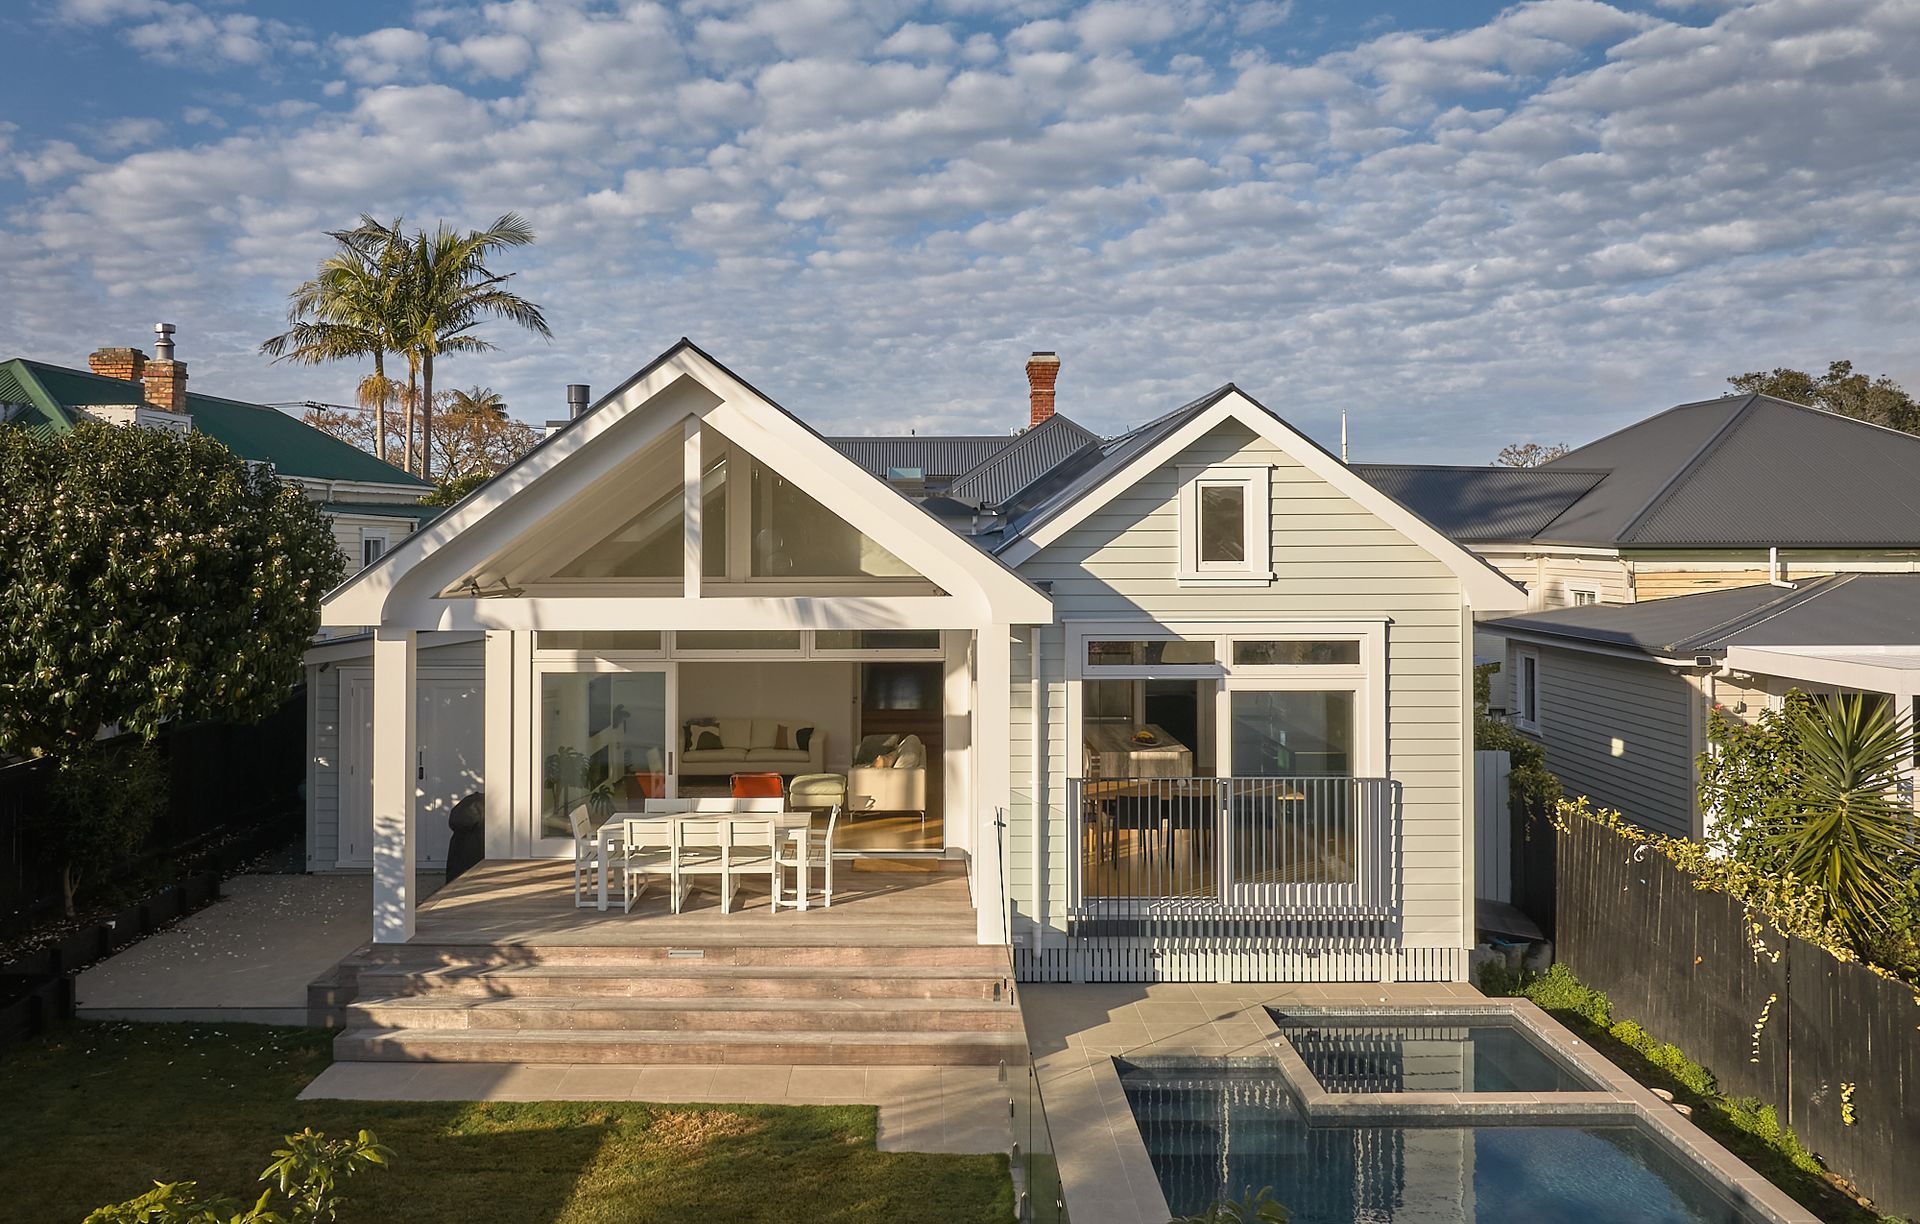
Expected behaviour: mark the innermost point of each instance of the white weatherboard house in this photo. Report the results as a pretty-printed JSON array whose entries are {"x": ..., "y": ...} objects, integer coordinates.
[{"x": 1189, "y": 702}]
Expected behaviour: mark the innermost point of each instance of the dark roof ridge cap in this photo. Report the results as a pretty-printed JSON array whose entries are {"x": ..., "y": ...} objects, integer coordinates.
[
  {"x": 1194, "y": 405},
  {"x": 1479, "y": 467},
  {"x": 1788, "y": 599},
  {"x": 1664, "y": 412},
  {"x": 1829, "y": 414},
  {"x": 1712, "y": 443}
]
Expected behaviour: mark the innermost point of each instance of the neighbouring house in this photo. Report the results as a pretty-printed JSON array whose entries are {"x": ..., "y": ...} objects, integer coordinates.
[
  {"x": 372, "y": 504},
  {"x": 1189, "y": 701},
  {"x": 1620, "y": 696}
]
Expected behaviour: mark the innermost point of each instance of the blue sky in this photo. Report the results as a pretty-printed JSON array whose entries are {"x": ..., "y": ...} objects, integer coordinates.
[{"x": 1463, "y": 223}]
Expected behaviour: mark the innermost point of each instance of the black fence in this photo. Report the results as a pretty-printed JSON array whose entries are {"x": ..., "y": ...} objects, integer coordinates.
[
  {"x": 1834, "y": 1047},
  {"x": 223, "y": 779}
]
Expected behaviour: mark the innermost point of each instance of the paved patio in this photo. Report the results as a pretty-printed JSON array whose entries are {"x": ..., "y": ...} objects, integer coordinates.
[
  {"x": 922, "y": 1109},
  {"x": 246, "y": 957}
]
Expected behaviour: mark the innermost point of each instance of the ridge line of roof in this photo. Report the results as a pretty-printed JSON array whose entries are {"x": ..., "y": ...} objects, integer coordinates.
[
  {"x": 1797, "y": 597},
  {"x": 1667, "y": 490}
]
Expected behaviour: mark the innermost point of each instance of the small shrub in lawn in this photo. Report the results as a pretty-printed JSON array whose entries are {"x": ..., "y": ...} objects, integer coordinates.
[{"x": 310, "y": 1172}]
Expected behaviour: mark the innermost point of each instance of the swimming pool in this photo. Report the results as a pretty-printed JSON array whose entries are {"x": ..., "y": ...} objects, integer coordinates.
[
  {"x": 1214, "y": 1130},
  {"x": 1460, "y": 1053}
]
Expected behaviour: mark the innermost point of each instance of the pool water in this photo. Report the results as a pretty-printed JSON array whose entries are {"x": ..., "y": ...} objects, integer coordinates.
[
  {"x": 1215, "y": 1131},
  {"x": 1459, "y": 1054}
]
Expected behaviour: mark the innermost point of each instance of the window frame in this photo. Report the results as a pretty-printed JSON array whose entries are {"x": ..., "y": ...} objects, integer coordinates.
[
  {"x": 1256, "y": 484},
  {"x": 1525, "y": 705},
  {"x": 370, "y": 534},
  {"x": 1577, "y": 589}
]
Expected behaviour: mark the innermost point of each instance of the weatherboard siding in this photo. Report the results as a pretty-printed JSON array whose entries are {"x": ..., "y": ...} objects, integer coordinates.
[
  {"x": 1620, "y": 732},
  {"x": 1333, "y": 560}
]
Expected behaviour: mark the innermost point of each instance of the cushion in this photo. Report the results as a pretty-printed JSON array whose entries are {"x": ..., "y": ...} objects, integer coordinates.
[
  {"x": 912, "y": 754},
  {"x": 713, "y": 754},
  {"x": 736, "y": 732},
  {"x": 872, "y": 746},
  {"x": 766, "y": 734},
  {"x": 758, "y": 755},
  {"x": 702, "y": 737},
  {"x": 803, "y": 737}
]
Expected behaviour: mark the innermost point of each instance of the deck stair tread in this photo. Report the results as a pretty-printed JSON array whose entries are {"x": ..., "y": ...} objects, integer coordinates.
[
  {"x": 784, "y": 1046},
  {"x": 659, "y": 1004}
]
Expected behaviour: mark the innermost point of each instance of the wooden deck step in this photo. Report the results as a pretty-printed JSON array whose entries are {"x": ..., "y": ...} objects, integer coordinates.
[
  {"x": 685, "y": 979},
  {"x": 604, "y": 1046},
  {"x": 931, "y": 950},
  {"x": 625, "y": 1014}
]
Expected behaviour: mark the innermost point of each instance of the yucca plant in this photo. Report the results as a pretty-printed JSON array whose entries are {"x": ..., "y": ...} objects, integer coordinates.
[{"x": 1843, "y": 826}]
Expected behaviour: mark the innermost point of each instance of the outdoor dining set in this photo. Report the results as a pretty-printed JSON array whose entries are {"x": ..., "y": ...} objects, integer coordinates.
[{"x": 719, "y": 841}]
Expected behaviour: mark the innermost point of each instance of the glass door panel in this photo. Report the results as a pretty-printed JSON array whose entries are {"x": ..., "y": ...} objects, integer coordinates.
[
  {"x": 1290, "y": 801},
  {"x": 603, "y": 746}
]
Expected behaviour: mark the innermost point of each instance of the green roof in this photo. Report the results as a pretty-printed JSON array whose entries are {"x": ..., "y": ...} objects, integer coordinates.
[
  {"x": 252, "y": 431},
  {"x": 418, "y": 513}
]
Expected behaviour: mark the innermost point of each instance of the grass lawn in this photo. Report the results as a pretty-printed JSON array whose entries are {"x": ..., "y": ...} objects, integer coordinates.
[{"x": 95, "y": 1115}]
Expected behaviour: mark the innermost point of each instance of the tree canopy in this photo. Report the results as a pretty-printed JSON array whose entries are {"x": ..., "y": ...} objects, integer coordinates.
[
  {"x": 1528, "y": 454},
  {"x": 1879, "y": 400},
  {"x": 149, "y": 576}
]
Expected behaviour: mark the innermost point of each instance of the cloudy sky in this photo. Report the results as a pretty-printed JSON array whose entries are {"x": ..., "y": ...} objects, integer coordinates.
[{"x": 1466, "y": 223}]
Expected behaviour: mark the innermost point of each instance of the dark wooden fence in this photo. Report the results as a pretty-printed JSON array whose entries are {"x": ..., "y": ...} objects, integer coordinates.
[
  {"x": 223, "y": 778},
  {"x": 1773, "y": 1017}
]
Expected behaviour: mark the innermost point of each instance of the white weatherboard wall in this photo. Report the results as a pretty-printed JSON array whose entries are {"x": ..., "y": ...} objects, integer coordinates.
[
  {"x": 1333, "y": 560},
  {"x": 324, "y": 748}
]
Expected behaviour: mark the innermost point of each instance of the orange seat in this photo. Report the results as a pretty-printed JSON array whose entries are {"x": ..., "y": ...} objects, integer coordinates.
[{"x": 758, "y": 786}]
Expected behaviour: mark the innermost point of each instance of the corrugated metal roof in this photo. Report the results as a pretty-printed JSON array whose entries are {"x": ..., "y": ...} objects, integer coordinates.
[
  {"x": 941, "y": 458},
  {"x": 1842, "y": 610},
  {"x": 252, "y": 431},
  {"x": 1481, "y": 504},
  {"x": 419, "y": 514},
  {"x": 1030, "y": 457}
]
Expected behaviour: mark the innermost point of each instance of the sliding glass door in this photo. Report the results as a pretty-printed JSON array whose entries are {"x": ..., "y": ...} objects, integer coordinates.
[
  {"x": 1290, "y": 802},
  {"x": 603, "y": 744}
]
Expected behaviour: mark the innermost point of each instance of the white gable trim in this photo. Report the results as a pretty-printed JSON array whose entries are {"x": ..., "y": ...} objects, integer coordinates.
[
  {"x": 1483, "y": 587},
  {"x": 402, "y": 589}
]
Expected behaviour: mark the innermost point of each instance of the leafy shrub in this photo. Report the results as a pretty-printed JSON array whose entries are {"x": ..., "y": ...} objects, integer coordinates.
[
  {"x": 310, "y": 1172},
  {"x": 1260, "y": 1208},
  {"x": 105, "y": 801}
]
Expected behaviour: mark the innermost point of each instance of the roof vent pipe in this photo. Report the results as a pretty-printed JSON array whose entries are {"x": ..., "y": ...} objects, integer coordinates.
[
  {"x": 578, "y": 396},
  {"x": 1773, "y": 570}
]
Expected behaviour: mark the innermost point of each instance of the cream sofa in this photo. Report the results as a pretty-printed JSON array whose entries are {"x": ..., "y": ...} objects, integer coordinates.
[
  {"x": 900, "y": 785},
  {"x": 751, "y": 745}
]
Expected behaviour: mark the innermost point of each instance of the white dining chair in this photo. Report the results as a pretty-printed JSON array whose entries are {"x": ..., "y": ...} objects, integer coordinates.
[
  {"x": 587, "y": 849},
  {"x": 700, "y": 848},
  {"x": 752, "y": 849},
  {"x": 647, "y": 849},
  {"x": 800, "y": 850}
]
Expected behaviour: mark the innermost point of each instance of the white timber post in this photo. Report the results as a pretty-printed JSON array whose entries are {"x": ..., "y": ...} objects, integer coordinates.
[
  {"x": 396, "y": 658},
  {"x": 691, "y": 505},
  {"x": 992, "y": 794},
  {"x": 497, "y": 779}
]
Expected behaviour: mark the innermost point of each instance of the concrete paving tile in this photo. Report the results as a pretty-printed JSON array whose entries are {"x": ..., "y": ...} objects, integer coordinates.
[
  {"x": 750, "y": 1085},
  {"x": 361, "y": 1082},
  {"x": 829, "y": 1083},
  {"x": 676, "y": 1084},
  {"x": 528, "y": 1082},
  {"x": 600, "y": 1082},
  {"x": 889, "y": 1084}
]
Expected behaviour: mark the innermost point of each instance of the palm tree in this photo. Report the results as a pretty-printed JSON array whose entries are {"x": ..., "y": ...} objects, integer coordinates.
[
  {"x": 450, "y": 290},
  {"x": 349, "y": 311},
  {"x": 1843, "y": 828},
  {"x": 476, "y": 401}
]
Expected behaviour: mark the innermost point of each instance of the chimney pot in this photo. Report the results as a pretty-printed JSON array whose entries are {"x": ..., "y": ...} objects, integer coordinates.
[
  {"x": 1042, "y": 369},
  {"x": 165, "y": 378},
  {"x": 579, "y": 395}
]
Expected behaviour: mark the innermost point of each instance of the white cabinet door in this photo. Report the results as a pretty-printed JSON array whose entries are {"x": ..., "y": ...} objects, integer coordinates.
[{"x": 448, "y": 767}]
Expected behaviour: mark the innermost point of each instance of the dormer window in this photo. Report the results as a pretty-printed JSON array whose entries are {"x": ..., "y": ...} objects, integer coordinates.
[{"x": 1226, "y": 526}]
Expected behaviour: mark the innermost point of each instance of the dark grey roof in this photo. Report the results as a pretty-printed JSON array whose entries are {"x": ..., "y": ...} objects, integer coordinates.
[
  {"x": 941, "y": 458},
  {"x": 1746, "y": 471},
  {"x": 1030, "y": 456},
  {"x": 1481, "y": 504},
  {"x": 1842, "y": 610}
]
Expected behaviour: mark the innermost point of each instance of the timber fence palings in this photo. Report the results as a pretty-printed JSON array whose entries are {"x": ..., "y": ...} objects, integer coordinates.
[{"x": 1833, "y": 1046}]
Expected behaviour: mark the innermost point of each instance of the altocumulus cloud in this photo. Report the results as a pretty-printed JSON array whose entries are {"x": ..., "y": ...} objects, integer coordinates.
[{"x": 1540, "y": 226}]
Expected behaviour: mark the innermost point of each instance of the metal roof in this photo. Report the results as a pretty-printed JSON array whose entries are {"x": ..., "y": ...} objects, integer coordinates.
[
  {"x": 1844, "y": 610},
  {"x": 941, "y": 458},
  {"x": 1746, "y": 471},
  {"x": 1481, "y": 504},
  {"x": 1030, "y": 457},
  {"x": 252, "y": 431}
]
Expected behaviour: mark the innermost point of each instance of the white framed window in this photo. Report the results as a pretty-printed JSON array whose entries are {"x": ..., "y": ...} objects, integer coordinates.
[
  {"x": 1582, "y": 594},
  {"x": 1526, "y": 690},
  {"x": 373, "y": 544},
  {"x": 1226, "y": 525}
]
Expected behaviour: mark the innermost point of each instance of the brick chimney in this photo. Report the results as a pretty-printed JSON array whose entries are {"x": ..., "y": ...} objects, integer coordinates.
[
  {"x": 1042, "y": 370},
  {"x": 127, "y": 363},
  {"x": 166, "y": 379}
]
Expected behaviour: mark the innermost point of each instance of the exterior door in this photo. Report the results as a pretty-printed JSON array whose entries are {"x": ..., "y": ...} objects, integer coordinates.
[
  {"x": 602, "y": 743},
  {"x": 448, "y": 767}
]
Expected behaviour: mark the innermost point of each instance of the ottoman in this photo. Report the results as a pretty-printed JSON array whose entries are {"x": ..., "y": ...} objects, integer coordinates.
[{"x": 817, "y": 792}]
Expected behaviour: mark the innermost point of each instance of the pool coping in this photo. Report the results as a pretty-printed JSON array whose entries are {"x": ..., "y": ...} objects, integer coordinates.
[{"x": 1107, "y": 1174}]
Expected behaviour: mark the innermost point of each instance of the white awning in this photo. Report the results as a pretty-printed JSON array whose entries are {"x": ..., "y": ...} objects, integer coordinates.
[{"x": 1877, "y": 669}]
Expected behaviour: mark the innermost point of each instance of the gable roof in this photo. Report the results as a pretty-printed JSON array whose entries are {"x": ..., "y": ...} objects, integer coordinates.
[
  {"x": 56, "y": 395},
  {"x": 1841, "y": 610},
  {"x": 1031, "y": 456},
  {"x": 1746, "y": 471},
  {"x": 1125, "y": 461},
  {"x": 1482, "y": 504},
  {"x": 940, "y": 457}
]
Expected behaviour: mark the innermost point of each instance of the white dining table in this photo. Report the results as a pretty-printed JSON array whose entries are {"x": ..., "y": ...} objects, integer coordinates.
[{"x": 793, "y": 824}]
